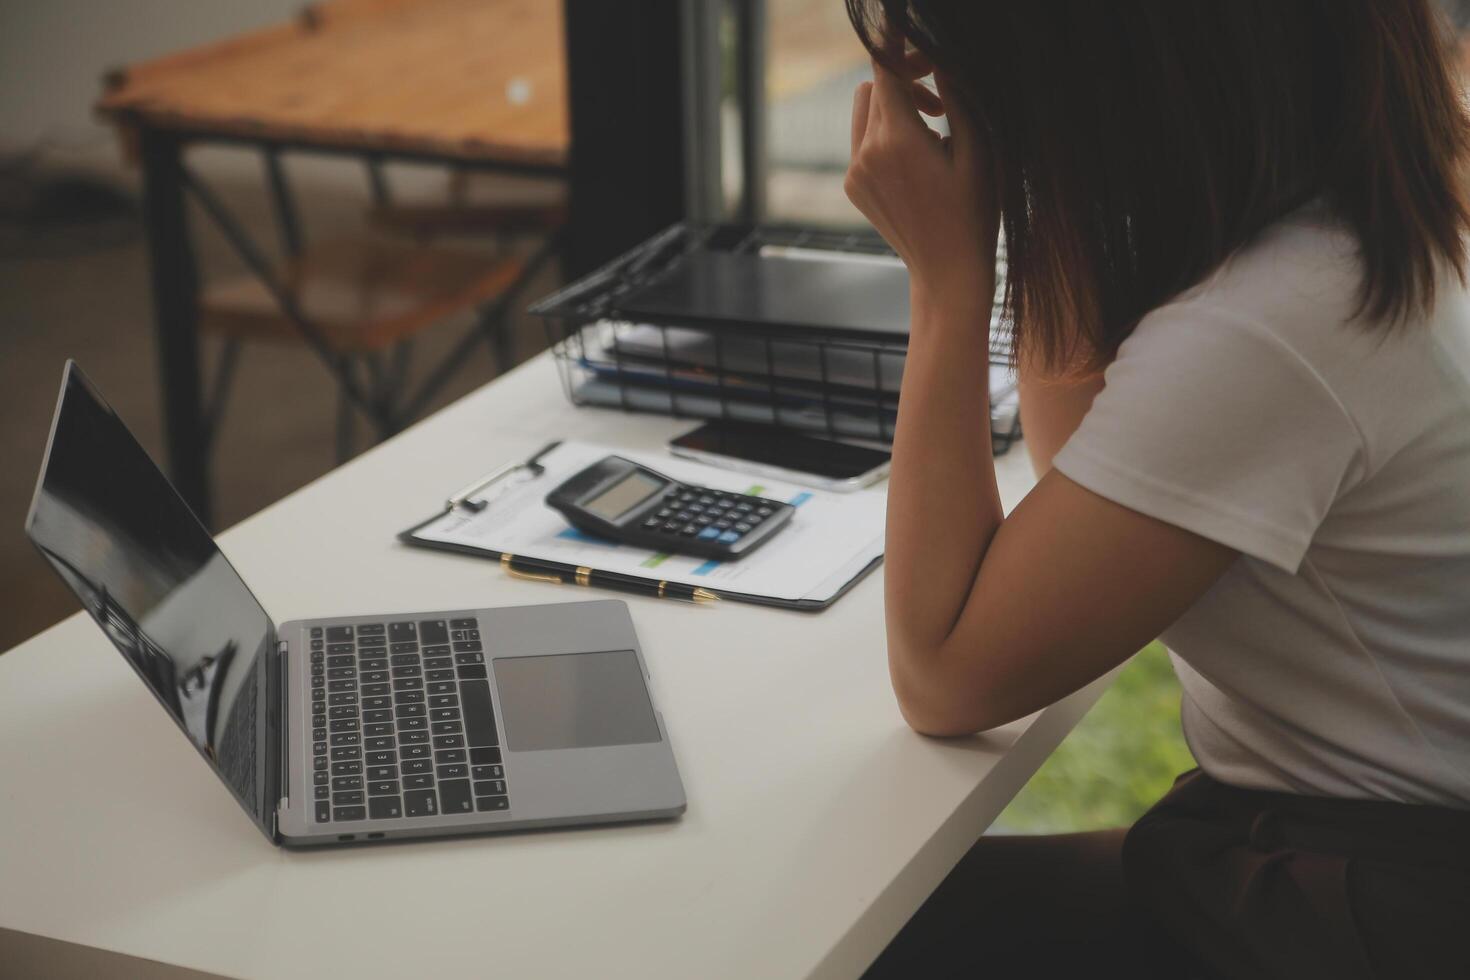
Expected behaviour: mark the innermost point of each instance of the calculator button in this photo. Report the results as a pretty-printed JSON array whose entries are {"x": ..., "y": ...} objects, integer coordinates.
[
  {"x": 703, "y": 519},
  {"x": 690, "y": 529},
  {"x": 729, "y": 537},
  {"x": 743, "y": 505},
  {"x": 709, "y": 534},
  {"x": 685, "y": 515},
  {"x": 671, "y": 526},
  {"x": 742, "y": 528},
  {"x": 723, "y": 525},
  {"x": 666, "y": 512},
  {"x": 763, "y": 511},
  {"x": 696, "y": 508}
]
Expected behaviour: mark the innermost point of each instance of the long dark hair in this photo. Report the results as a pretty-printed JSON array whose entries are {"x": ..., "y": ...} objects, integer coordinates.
[{"x": 1139, "y": 142}]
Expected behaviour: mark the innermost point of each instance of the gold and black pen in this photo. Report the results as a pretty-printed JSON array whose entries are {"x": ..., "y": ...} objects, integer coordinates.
[{"x": 544, "y": 571}]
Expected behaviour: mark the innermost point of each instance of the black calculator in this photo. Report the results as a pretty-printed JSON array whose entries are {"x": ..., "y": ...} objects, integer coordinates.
[{"x": 621, "y": 501}]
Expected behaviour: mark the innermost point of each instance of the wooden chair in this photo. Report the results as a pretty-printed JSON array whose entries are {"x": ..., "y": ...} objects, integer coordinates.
[
  {"x": 478, "y": 206},
  {"x": 360, "y": 301}
]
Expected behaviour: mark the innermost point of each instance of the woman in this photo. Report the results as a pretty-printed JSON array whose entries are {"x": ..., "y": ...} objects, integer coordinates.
[{"x": 1237, "y": 279}]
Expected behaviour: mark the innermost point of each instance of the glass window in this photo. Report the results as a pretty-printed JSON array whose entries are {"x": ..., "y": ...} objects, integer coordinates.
[{"x": 813, "y": 62}]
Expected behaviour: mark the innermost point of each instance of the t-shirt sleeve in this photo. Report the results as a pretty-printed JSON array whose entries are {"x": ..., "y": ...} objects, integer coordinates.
[{"x": 1212, "y": 423}]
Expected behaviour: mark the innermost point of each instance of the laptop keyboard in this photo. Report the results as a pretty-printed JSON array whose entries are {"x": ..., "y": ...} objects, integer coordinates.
[{"x": 402, "y": 724}]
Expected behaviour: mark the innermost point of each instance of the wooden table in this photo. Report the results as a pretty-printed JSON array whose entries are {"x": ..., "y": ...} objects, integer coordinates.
[
  {"x": 817, "y": 822},
  {"x": 475, "y": 83}
]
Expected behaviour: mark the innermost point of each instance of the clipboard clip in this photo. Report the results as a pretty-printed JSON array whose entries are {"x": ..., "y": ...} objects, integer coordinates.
[{"x": 474, "y": 497}]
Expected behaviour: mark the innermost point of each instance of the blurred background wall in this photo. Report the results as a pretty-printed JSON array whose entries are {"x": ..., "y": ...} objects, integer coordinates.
[{"x": 52, "y": 54}]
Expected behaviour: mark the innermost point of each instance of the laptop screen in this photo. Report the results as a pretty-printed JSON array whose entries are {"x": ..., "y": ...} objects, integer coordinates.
[{"x": 152, "y": 577}]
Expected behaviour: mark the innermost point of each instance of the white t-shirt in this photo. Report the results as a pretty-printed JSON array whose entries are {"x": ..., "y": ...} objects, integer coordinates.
[{"x": 1334, "y": 657}]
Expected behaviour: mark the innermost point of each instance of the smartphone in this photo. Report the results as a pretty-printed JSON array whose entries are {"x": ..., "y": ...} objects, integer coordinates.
[{"x": 780, "y": 454}]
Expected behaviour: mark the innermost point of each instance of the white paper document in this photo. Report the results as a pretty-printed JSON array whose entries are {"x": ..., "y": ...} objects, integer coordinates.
[{"x": 830, "y": 539}]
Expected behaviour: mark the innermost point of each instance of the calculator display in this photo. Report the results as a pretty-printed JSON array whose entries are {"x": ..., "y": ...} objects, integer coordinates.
[{"x": 623, "y": 496}]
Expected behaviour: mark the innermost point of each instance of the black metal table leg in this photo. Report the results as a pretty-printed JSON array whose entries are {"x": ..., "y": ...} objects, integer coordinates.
[{"x": 176, "y": 316}]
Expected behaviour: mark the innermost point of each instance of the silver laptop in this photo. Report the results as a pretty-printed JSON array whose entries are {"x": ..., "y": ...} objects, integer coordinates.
[{"x": 356, "y": 728}]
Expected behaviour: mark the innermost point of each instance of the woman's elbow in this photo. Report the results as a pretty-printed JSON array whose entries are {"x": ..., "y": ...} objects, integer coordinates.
[
  {"x": 939, "y": 707},
  {"x": 937, "y": 725}
]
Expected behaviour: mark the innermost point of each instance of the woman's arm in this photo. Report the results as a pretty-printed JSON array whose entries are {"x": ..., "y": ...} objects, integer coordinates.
[
  {"x": 1050, "y": 413},
  {"x": 989, "y": 618}
]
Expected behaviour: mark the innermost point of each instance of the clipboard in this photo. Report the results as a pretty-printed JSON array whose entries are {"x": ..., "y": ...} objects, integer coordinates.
[{"x": 504, "y": 513}]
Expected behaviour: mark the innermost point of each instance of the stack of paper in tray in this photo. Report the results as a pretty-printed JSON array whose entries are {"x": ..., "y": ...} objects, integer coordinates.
[
  {"x": 792, "y": 327},
  {"x": 795, "y": 383}
]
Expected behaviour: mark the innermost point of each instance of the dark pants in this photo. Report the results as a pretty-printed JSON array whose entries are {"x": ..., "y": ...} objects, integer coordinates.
[{"x": 1213, "y": 882}]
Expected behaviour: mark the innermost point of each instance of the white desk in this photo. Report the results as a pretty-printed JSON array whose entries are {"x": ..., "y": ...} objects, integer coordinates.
[{"x": 817, "y": 821}]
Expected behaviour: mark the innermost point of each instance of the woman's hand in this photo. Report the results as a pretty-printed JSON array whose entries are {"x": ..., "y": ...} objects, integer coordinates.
[{"x": 932, "y": 199}]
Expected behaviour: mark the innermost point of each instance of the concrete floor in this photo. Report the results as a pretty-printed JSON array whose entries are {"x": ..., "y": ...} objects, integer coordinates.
[{"x": 278, "y": 433}]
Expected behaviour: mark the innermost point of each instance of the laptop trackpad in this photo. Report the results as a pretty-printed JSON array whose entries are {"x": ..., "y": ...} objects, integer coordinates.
[{"x": 574, "y": 701}]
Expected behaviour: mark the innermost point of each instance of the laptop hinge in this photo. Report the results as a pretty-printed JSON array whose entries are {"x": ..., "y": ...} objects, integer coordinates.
[{"x": 283, "y": 735}]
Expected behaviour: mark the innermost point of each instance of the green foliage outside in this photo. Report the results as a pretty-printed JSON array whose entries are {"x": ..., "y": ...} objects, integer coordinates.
[{"x": 1116, "y": 763}]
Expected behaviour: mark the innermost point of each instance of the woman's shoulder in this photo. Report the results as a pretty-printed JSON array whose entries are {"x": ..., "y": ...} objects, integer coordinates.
[
  {"x": 1289, "y": 305},
  {"x": 1304, "y": 269},
  {"x": 1299, "y": 284}
]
